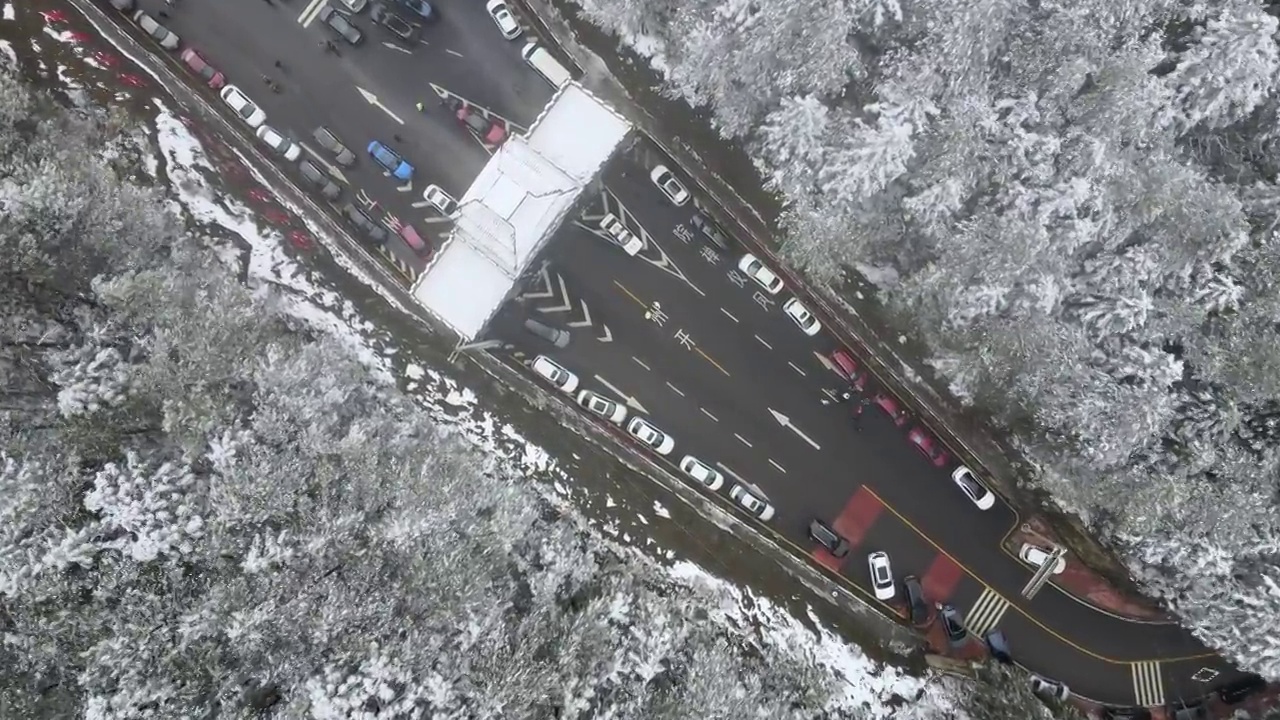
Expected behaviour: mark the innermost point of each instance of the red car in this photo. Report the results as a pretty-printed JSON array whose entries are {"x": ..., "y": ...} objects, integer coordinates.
[
  {"x": 201, "y": 67},
  {"x": 891, "y": 408},
  {"x": 930, "y": 448},
  {"x": 848, "y": 368},
  {"x": 491, "y": 131}
]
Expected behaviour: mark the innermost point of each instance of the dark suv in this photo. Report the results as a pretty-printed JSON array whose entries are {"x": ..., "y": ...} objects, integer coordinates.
[
  {"x": 953, "y": 624},
  {"x": 1241, "y": 689},
  {"x": 917, "y": 605},
  {"x": 387, "y": 18},
  {"x": 709, "y": 231},
  {"x": 822, "y": 534}
]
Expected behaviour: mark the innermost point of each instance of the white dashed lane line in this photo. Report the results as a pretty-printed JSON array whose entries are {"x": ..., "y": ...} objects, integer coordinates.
[
  {"x": 676, "y": 389},
  {"x": 729, "y": 315},
  {"x": 797, "y": 369},
  {"x": 637, "y": 361},
  {"x": 713, "y": 417},
  {"x": 762, "y": 342},
  {"x": 743, "y": 440},
  {"x": 780, "y": 468}
]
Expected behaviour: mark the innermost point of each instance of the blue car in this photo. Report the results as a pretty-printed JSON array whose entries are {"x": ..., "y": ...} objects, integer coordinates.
[
  {"x": 421, "y": 7},
  {"x": 390, "y": 161}
]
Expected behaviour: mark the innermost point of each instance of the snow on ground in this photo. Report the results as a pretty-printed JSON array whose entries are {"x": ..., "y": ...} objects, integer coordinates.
[{"x": 869, "y": 685}]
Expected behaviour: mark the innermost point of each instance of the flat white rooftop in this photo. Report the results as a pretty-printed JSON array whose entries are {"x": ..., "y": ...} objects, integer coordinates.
[{"x": 515, "y": 204}]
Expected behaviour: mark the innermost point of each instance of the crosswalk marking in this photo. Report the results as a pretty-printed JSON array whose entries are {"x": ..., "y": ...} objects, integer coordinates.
[
  {"x": 1148, "y": 685},
  {"x": 986, "y": 613},
  {"x": 309, "y": 14}
]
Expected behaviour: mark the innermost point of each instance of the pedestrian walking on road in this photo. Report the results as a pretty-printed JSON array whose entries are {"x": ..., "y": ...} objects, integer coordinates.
[
  {"x": 421, "y": 107},
  {"x": 397, "y": 138},
  {"x": 280, "y": 66}
]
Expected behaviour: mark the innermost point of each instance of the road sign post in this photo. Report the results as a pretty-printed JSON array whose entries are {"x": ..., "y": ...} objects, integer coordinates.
[{"x": 1042, "y": 575}]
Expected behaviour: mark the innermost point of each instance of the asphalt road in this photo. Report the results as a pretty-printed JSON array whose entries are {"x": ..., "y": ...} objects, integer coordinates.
[{"x": 681, "y": 334}]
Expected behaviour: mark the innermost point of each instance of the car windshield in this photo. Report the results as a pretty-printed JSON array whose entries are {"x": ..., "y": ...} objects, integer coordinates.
[{"x": 971, "y": 486}]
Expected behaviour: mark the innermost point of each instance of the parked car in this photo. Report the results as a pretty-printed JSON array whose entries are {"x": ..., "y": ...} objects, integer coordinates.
[
  {"x": 1049, "y": 689},
  {"x": 421, "y": 8},
  {"x": 890, "y": 406},
  {"x": 953, "y": 624},
  {"x": 330, "y": 142},
  {"x": 354, "y": 6},
  {"x": 649, "y": 434},
  {"x": 440, "y": 200},
  {"x": 827, "y": 537},
  {"x": 163, "y": 36},
  {"x": 917, "y": 603},
  {"x": 340, "y": 23},
  {"x": 201, "y": 67},
  {"x": 241, "y": 105},
  {"x": 621, "y": 236},
  {"x": 554, "y": 335},
  {"x": 123, "y": 5},
  {"x": 554, "y": 373},
  {"x": 848, "y": 368},
  {"x": 414, "y": 240},
  {"x": 998, "y": 646},
  {"x": 1239, "y": 690},
  {"x": 928, "y": 446},
  {"x": 751, "y": 503},
  {"x": 802, "y": 317},
  {"x": 369, "y": 228},
  {"x": 602, "y": 406},
  {"x": 396, "y": 25},
  {"x": 489, "y": 130},
  {"x": 709, "y": 230},
  {"x": 504, "y": 19},
  {"x": 881, "y": 575},
  {"x": 756, "y": 270},
  {"x": 390, "y": 161},
  {"x": 977, "y": 493},
  {"x": 669, "y": 185},
  {"x": 276, "y": 140},
  {"x": 708, "y": 476},
  {"x": 1037, "y": 556},
  {"x": 319, "y": 179}
]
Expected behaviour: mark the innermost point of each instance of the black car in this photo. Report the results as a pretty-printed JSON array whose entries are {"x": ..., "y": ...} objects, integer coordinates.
[
  {"x": 398, "y": 26},
  {"x": 709, "y": 231},
  {"x": 953, "y": 623},
  {"x": 1188, "y": 711},
  {"x": 1241, "y": 689},
  {"x": 367, "y": 225},
  {"x": 998, "y": 645},
  {"x": 917, "y": 606},
  {"x": 330, "y": 142},
  {"x": 822, "y": 534},
  {"x": 340, "y": 23},
  {"x": 319, "y": 179}
]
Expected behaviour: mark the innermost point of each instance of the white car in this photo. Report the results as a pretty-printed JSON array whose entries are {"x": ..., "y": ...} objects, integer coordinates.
[
  {"x": 753, "y": 504},
  {"x": 353, "y": 6},
  {"x": 1037, "y": 556},
  {"x": 703, "y": 473},
  {"x": 251, "y": 114},
  {"x": 982, "y": 497},
  {"x": 881, "y": 576},
  {"x": 278, "y": 142},
  {"x": 612, "y": 411},
  {"x": 502, "y": 16},
  {"x": 1051, "y": 689},
  {"x": 440, "y": 200},
  {"x": 669, "y": 185},
  {"x": 621, "y": 236},
  {"x": 554, "y": 373},
  {"x": 161, "y": 34},
  {"x": 805, "y": 319},
  {"x": 647, "y": 433},
  {"x": 751, "y": 266}
]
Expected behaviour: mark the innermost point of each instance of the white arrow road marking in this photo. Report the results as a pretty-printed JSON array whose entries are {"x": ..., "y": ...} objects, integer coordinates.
[
  {"x": 630, "y": 401},
  {"x": 826, "y": 363},
  {"x": 333, "y": 169},
  {"x": 785, "y": 422},
  {"x": 545, "y": 272},
  {"x": 309, "y": 14},
  {"x": 420, "y": 204},
  {"x": 394, "y": 46},
  {"x": 586, "y": 318},
  {"x": 608, "y": 336},
  {"x": 564, "y": 298},
  {"x": 374, "y": 101}
]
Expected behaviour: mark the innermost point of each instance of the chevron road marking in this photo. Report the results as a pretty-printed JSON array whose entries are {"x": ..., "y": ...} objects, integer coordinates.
[
  {"x": 608, "y": 336},
  {"x": 986, "y": 613},
  {"x": 564, "y": 298},
  {"x": 309, "y": 14},
  {"x": 546, "y": 283},
  {"x": 586, "y": 318},
  {"x": 1148, "y": 685}
]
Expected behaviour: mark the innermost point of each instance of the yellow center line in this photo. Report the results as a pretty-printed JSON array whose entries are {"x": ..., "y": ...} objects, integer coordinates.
[
  {"x": 1015, "y": 606},
  {"x": 713, "y": 362},
  {"x": 631, "y": 295},
  {"x": 645, "y": 305}
]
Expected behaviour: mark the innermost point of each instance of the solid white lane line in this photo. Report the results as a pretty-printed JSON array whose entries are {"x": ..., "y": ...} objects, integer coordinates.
[
  {"x": 762, "y": 342},
  {"x": 713, "y": 417},
  {"x": 455, "y": 54},
  {"x": 782, "y": 469},
  {"x": 731, "y": 317},
  {"x": 742, "y": 440},
  {"x": 673, "y": 387},
  {"x": 637, "y": 361},
  {"x": 797, "y": 369}
]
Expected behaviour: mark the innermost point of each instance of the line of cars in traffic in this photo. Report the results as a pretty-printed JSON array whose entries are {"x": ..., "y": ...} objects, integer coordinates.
[{"x": 644, "y": 431}]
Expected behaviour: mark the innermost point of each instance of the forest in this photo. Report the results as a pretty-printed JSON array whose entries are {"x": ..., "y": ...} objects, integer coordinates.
[
  {"x": 1074, "y": 206},
  {"x": 209, "y": 508}
]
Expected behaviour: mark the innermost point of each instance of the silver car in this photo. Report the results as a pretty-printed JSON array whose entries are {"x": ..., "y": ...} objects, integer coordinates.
[{"x": 166, "y": 38}]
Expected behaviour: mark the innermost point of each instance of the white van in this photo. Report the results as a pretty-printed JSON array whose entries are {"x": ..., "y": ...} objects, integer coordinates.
[{"x": 547, "y": 66}]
